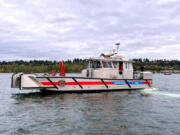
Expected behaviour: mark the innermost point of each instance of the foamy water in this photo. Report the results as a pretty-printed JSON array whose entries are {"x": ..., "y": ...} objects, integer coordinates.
[{"x": 156, "y": 91}]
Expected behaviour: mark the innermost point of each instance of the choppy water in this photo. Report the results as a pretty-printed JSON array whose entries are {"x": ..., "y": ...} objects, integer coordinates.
[{"x": 126, "y": 113}]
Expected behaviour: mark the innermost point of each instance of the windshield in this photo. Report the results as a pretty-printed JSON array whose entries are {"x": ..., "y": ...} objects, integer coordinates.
[
  {"x": 107, "y": 64},
  {"x": 96, "y": 64},
  {"x": 86, "y": 64},
  {"x": 115, "y": 63}
]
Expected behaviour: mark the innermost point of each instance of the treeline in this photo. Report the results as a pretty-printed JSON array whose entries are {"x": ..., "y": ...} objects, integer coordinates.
[
  {"x": 76, "y": 65},
  {"x": 157, "y": 65},
  {"x": 40, "y": 66}
]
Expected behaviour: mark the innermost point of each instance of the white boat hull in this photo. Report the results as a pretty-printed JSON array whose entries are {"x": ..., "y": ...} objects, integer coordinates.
[{"x": 76, "y": 84}]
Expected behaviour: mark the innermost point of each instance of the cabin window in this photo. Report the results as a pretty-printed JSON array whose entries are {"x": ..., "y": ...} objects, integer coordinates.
[
  {"x": 115, "y": 64},
  {"x": 96, "y": 64},
  {"x": 107, "y": 64},
  {"x": 86, "y": 64},
  {"x": 127, "y": 65}
]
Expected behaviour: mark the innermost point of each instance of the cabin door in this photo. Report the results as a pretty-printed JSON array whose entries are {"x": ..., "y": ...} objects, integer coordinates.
[
  {"x": 127, "y": 70},
  {"x": 120, "y": 68}
]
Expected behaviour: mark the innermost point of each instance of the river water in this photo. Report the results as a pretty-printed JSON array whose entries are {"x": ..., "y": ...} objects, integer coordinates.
[{"x": 124, "y": 113}]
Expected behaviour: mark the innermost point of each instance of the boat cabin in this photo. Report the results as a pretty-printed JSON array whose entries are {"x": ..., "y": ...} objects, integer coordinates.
[{"x": 114, "y": 67}]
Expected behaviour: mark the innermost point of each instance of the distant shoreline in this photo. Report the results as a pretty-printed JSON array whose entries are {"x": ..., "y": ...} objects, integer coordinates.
[{"x": 76, "y": 65}]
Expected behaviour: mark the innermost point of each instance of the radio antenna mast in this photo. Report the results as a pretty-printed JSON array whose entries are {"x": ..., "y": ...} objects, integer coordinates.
[{"x": 117, "y": 44}]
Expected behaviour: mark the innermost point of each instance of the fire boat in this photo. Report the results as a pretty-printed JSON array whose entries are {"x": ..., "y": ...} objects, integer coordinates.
[{"x": 108, "y": 72}]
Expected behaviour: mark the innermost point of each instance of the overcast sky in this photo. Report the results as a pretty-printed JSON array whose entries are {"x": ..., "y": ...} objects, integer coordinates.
[{"x": 63, "y": 29}]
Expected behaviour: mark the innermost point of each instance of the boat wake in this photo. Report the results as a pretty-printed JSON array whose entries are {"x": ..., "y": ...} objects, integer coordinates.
[{"x": 155, "y": 91}]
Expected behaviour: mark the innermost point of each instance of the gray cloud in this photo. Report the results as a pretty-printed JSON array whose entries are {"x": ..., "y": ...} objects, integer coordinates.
[{"x": 51, "y": 29}]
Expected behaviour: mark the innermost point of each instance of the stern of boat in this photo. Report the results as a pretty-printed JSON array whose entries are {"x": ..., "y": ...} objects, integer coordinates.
[
  {"x": 16, "y": 80},
  {"x": 24, "y": 81}
]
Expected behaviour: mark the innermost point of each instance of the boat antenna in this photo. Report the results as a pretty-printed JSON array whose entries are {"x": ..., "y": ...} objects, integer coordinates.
[{"x": 117, "y": 44}]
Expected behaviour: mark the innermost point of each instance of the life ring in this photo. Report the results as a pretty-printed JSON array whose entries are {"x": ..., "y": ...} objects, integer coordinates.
[{"x": 62, "y": 83}]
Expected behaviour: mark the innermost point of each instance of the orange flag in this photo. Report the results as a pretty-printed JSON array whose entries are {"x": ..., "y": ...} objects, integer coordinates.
[{"x": 61, "y": 69}]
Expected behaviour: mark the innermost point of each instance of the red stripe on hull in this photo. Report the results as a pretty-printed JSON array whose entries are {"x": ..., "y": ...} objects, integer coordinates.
[
  {"x": 86, "y": 83},
  {"x": 150, "y": 82},
  {"x": 81, "y": 83}
]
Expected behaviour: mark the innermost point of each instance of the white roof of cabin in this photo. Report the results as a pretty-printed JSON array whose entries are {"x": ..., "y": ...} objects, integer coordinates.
[{"x": 109, "y": 59}]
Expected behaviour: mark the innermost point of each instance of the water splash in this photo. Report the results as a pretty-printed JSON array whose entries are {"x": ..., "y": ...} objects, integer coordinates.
[{"x": 155, "y": 91}]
